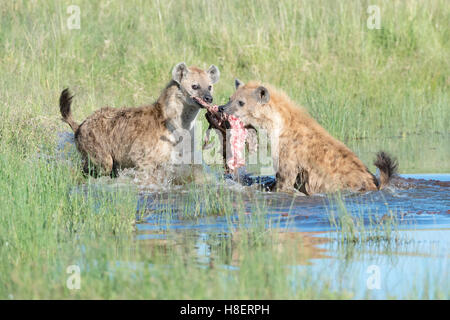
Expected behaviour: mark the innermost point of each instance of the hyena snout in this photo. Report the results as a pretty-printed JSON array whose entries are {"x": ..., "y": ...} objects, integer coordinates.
[{"x": 208, "y": 98}]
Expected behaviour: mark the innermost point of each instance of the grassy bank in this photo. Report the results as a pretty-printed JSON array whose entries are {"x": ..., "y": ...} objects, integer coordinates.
[{"x": 358, "y": 83}]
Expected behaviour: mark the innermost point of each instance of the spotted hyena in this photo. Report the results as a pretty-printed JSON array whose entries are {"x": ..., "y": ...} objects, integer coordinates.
[
  {"x": 308, "y": 158},
  {"x": 144, "y": 137}
]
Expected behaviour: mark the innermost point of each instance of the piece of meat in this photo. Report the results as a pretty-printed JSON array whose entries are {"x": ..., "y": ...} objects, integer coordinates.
[{"x": 237, "y": 135}]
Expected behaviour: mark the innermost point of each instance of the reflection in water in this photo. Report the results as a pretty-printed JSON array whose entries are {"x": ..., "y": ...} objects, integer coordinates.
[
  {"x": 207, "y": 222},
  {"x": 411, "y": 266},
  {"x": 416, "y": 268},
  {"x": 228, "y": 249}
]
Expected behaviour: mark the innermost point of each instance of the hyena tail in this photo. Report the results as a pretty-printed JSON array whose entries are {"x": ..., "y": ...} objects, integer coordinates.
[
  {"x": 387, "y": 166},
  {"x": 65, "y": 100}
]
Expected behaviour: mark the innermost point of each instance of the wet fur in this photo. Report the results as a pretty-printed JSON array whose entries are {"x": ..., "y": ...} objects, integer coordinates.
[{"x": 141, "y": 137}]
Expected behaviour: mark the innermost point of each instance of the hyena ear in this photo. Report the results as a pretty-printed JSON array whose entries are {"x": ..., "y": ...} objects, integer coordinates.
[
  {"x": 262, "y": 94},
  {"x": 238, "y": 83},
  {"x": 214, "y": 73},
  {"x": 179, "y": 71}
]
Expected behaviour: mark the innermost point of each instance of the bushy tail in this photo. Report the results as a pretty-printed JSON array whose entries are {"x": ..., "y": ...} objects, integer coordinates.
[
  {"x": 64, "y": 106},
  {"x": 388, "y": 167}
]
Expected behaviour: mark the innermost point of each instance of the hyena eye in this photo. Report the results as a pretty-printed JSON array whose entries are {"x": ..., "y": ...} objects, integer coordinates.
[
  {"x": 209, "y": 88},
  {"x": 195, "y": 87},
  {"x": 241, "y": 103}
]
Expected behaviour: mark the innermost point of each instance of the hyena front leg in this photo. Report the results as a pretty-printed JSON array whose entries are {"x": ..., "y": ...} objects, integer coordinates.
[{"x": 286, "y": 177}]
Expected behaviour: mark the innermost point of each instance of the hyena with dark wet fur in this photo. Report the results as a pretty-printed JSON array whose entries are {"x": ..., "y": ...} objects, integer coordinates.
[{"x": 144, "y": 137}]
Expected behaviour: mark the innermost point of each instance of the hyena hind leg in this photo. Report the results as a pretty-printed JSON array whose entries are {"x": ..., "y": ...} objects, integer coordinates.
[
  {"x": 301, "y": 181},
  {"x": 99, "y": 165}
]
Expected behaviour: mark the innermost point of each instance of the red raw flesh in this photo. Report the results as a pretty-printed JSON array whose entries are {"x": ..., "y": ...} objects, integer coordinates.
[{"x": 238, "y": 134}]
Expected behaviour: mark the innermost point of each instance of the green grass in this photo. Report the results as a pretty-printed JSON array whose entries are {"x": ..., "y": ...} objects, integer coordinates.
[
  {"x": 46, "y": 225},
  {"x": 353, "y": 229},
  {"x": 358, "y": 83}
]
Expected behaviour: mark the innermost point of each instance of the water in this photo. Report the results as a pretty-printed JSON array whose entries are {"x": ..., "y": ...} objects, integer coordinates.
[
  {"x": 419, "y": 201},
  {"x": 415, "y": 265},
  {"x": 417, "y": 268}
]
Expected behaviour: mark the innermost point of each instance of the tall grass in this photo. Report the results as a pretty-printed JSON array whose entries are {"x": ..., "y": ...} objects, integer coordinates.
[{"x": 356, "y": 82}]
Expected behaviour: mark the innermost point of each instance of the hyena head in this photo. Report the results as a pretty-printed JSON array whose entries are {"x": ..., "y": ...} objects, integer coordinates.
[
  {"x": 196, "y": 84},
  {"x": 247, "y": 104}
]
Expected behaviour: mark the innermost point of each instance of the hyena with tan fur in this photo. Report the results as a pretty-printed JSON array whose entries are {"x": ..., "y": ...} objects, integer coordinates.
[
  {"x": 143, "y": 137},
  {"x": 308, "y": 158}
]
